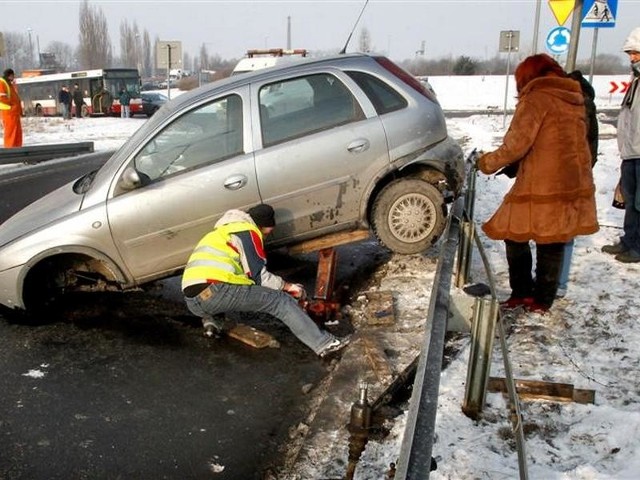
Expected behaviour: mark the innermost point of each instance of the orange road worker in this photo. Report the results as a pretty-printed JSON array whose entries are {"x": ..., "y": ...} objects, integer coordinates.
[{"x": 11, "y": 110}]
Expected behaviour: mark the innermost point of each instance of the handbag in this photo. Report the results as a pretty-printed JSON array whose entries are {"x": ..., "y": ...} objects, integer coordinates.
[{"x": 618, "y": 199}]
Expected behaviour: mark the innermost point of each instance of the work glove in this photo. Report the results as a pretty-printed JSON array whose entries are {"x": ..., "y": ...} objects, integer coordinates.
[{"x": 295, "y": 290}]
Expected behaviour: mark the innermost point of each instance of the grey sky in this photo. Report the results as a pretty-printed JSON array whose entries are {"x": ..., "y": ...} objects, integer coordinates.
[{"x": 397, "y": 27}]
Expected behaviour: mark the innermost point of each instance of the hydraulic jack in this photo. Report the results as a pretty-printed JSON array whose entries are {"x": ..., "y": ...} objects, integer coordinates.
[{"x": 324, "y": 306}]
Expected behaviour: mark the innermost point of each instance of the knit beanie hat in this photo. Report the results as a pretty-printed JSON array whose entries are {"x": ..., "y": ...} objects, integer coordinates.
[
  {"x": 263, "y": 215},
  {"x": 633, "y": 41}
]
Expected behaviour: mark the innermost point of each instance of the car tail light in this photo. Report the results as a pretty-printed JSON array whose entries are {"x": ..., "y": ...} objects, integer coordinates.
[{"x": 406, "y": 77}]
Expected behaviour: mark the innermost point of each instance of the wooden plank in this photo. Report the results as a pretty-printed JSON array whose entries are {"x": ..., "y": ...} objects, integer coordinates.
[
  {"x": 377, "y": 359},
  {"x": 538, "y": 390},
  {"x": 379, "y": 308},
  {"x": 252, "y": 336},
  {"x": 327, "y": 241}
]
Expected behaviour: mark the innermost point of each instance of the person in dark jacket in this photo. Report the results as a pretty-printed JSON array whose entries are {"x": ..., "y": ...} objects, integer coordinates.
[
  {"x": 124, "y": 97},
  {"x": 592, "y": 137},
  {"x": 78, "y": 100},
  {"x": 64, "y": 100},
  {"x": 553, "y": 197}
]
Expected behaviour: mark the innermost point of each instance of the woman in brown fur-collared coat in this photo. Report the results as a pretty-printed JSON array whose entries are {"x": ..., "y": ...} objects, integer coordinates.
[{"x": 553, "y": 197}]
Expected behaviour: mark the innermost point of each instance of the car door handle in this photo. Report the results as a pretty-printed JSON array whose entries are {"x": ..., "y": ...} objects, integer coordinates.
[
  {"x": 235, "y": 182},
  {"x": 358, "y": 146}
]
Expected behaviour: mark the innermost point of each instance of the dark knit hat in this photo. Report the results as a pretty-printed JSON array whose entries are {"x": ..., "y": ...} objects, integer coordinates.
[{"x": 263, "y": 215}]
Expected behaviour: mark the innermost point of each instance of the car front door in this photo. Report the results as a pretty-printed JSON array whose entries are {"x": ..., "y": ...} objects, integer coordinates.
[
  {"x": 319, "y": 153},
  {"x": 193, "y": 170}
]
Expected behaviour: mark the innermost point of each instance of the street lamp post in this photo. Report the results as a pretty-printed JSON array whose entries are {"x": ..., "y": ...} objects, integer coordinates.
[{"x": 30, "y": 49}]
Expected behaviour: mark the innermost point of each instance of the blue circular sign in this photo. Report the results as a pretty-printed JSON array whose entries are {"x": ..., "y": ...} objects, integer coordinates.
[{"x": 558, "y": 40}]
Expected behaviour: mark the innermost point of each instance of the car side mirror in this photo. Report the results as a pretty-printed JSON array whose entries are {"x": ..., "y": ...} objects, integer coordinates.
[{"x": 132, "y": 179}]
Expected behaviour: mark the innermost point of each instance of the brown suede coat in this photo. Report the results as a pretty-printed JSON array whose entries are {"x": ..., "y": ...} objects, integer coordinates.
[{"x": 553, "y": 197}]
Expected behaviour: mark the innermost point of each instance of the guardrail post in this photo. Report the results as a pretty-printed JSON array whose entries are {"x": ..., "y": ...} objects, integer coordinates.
[
  {"x": 467, "y": 226},
  {"x": 485, "y": 314}
]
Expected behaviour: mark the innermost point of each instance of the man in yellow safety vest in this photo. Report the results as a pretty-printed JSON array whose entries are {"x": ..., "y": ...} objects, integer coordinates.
[{"x": 227, "y": 273}]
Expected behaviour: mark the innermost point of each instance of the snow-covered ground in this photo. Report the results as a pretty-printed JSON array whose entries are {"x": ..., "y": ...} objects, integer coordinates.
[{"x": 590, "y": 338}]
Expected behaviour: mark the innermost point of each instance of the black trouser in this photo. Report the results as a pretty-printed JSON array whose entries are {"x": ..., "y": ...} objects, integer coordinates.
[{"x": 548, "y": 265}]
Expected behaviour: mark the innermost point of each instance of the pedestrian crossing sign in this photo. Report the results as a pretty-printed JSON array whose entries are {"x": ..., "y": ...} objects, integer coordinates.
[{"x": 599, "y": 13}]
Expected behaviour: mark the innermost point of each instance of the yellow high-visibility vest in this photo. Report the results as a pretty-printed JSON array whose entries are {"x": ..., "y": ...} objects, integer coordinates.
[
  {"x": 6, "y": 106},
  {"x": 214, "y": 259}
]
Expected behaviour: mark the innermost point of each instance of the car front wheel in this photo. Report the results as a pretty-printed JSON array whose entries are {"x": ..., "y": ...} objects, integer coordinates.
[{"x": 408, "y": 215}]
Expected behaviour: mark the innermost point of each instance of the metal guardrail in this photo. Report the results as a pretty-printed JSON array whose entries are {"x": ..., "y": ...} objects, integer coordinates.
[
  {"x": 417, "y": 444},
  {"x": 415, "y": 458},
  {"x": 40, "y": 153}
]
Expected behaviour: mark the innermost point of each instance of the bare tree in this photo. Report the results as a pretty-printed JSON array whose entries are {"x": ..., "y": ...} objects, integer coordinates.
[
  {"x": 130, "y": 45},
  {"x": 95, "y": 46},
  {"x": 17, "y": 55},
  {"x": 147, "y": 65},
  {"x": 63, "y": 56},
  {"x": 204, "y": 58},
  {"x": 187, "y": 62}
]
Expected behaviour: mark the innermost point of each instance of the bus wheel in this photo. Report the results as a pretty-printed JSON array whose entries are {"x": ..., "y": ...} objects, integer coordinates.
[{"x": 39, "y": 111}]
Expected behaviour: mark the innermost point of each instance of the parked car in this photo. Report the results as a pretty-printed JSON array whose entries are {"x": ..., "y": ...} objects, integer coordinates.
[
  {"x": 152, "y": 101},
  {"x": 362, "y": 145}
]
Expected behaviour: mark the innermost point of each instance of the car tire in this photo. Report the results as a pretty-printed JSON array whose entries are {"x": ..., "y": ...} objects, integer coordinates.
[{"x": 408, "y": 215}]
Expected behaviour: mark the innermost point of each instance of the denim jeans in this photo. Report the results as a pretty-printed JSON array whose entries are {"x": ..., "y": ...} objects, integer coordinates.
[
  {"x": 629, "y": 182},
  {"x": 548, "y": 263},
  {"x": 124, "y": 111},
  {"x": 566, "y": 265},
  {"x": 228, "y": 298}
]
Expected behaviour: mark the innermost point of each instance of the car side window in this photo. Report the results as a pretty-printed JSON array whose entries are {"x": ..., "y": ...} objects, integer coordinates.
[
  {"x": 385, "y": 98},
  {"x": 304, "y": 105},
  {"x": 209, "y": 133}
]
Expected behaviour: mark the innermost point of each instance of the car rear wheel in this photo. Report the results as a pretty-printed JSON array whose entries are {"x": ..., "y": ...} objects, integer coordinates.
[{"x": 408, "y": 215}]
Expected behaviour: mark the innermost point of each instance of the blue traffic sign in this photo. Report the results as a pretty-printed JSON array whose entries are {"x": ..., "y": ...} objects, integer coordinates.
[
  {"x": 558, "y": 40},
  {"x": 599, "y": 13}
]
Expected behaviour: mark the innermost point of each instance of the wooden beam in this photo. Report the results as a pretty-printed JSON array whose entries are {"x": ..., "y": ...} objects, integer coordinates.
[
  {"x": 252, "y": 336},
  {"x": 332, "y": 240},
  {"x": 538, "y": 390}
]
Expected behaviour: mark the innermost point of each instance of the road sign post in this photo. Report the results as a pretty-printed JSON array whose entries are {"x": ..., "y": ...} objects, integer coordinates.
[
  {"x": 509, "y": 42},
  {"x": 597, "y": 14},
  {"x": 168, "y": 55}
]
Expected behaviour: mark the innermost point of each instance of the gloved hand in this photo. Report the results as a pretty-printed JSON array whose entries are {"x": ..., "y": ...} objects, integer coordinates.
[{"x": 295, "y": 290}]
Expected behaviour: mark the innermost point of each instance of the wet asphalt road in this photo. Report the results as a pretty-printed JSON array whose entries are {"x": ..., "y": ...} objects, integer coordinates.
[{"x": 126, "y": 387}]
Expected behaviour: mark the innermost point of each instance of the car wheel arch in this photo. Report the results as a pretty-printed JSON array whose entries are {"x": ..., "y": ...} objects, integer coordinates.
[{"x": 61, "y": 268}]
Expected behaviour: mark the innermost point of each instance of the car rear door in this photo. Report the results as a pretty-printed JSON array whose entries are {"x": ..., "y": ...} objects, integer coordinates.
[
  {"x": 195, "y": 168},
  {"x": 321, "y": 146}
]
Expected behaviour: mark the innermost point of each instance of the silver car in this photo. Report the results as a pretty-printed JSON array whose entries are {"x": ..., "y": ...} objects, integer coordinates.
[{"x": 333, "y": 144}]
